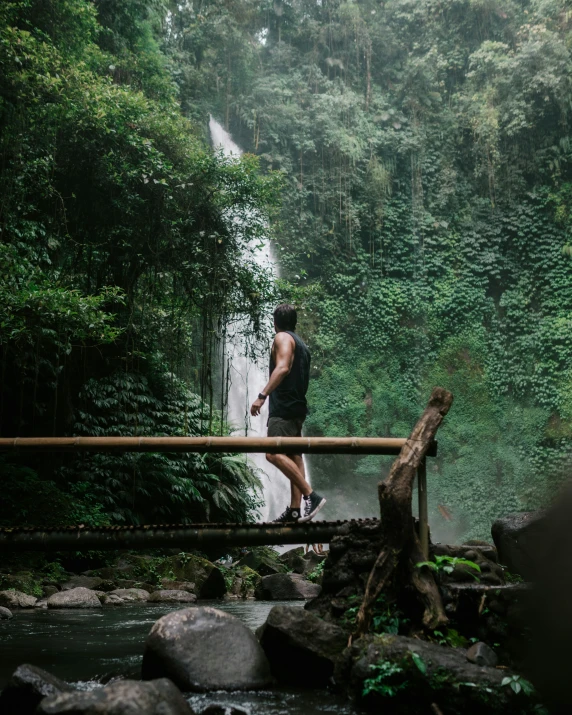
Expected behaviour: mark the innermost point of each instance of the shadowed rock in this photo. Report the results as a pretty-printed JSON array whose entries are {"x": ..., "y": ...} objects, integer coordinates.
[
  {"x": 517, "y": 538},
  {"x": 300, "y": 647},
  {"x": 204, "y": 649},
  {"x": 94, "y": 583},
  {"x": 27, "y": 687},
  {"x": 5, "y": 613}
]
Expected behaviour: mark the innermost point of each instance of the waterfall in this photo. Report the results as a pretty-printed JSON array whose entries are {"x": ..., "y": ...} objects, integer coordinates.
[{"x": 248, "y": 377}]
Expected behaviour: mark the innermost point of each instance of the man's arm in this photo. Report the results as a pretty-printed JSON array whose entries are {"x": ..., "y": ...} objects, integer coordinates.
[{"x": 283, "y": 348}]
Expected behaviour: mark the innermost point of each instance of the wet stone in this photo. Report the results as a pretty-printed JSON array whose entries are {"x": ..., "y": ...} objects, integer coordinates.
[{"x": 481, "y": 654}]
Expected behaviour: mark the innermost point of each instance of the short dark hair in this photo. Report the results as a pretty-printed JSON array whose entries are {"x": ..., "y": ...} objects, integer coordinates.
[{"x": 285, "y": 317}]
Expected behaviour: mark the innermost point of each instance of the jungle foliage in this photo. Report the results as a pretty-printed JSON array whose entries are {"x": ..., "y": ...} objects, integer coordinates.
[
  {"x": 425, "y": 224},
  {"x": 118, "y": 266}
]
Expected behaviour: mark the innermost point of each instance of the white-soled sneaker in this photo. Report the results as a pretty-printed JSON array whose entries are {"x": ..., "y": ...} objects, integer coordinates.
[
  {"x": 289, "y": 516},
  {"x": 312, "y": 505}
]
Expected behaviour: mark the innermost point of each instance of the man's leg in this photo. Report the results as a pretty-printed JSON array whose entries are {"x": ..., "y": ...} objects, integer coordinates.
[
  {"x": 290, "y": 468},
  {"x": 295, "y": 493}
]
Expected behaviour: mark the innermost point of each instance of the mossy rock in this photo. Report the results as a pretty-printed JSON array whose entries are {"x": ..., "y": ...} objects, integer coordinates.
[
  {"x": 244, "y": 583},
  {"x": 264, "y": 561},
  {"x": 411, "y": 674},
  {"x": 23, "y": 581},
  {"x": 208, "y": 579}
]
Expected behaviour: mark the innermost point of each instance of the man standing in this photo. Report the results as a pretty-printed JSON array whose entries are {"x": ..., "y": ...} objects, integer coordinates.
[{"x": 287, "y": 387}]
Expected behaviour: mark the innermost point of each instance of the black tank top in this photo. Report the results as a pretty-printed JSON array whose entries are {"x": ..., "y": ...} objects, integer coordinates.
[{"x": 289, "y": 399}]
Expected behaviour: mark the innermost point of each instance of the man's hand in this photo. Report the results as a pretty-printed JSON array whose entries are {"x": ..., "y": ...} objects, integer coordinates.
[{"x": 256, "y": 407}]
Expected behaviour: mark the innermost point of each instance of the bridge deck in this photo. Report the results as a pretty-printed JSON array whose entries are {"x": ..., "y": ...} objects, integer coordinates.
[{"x": 183, "y": 536}]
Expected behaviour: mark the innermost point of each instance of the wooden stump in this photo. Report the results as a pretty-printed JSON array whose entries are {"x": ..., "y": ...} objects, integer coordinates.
[{"x": 395, "y": 567}]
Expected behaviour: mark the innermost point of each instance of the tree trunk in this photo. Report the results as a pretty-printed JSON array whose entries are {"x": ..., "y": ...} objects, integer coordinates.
[{"x": 401, "y": 549}]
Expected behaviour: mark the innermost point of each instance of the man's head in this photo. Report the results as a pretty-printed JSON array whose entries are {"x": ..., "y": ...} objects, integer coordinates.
[{"x": 285, "y": 317}]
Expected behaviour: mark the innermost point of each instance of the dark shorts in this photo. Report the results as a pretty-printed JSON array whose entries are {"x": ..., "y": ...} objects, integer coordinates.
[{"x": 279, "y": 427}]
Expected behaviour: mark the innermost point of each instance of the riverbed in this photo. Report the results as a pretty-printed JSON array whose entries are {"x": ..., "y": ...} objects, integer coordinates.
[{"x": 89, "y": 647}]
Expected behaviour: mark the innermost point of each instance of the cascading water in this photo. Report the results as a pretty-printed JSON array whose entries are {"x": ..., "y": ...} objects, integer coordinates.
[{"x": 248, "y": 377}]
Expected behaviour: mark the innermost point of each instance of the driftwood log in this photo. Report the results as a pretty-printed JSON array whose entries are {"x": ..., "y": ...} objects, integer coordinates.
[{"x": 401, "y": 548}]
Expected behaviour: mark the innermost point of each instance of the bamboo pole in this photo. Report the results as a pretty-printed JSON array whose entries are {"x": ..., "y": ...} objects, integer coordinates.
[
  {"x": 183, "y": 537},
  {"x": 271, "y": 445}
]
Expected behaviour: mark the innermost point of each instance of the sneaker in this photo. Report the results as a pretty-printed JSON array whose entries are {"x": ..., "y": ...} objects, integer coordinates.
[
  {"x": 288, "y": 517},
  {"x": 313, "y": 503}
]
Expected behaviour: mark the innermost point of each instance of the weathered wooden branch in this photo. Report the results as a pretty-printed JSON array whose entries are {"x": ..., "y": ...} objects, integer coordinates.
[{"x": 401, "y": 548}]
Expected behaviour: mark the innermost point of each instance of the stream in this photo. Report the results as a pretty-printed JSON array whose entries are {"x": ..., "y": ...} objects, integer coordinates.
[{"x": 88, "y": 647}]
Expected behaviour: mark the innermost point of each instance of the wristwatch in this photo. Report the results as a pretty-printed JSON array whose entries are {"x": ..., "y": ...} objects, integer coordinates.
[{"x": 262, "y": 396}]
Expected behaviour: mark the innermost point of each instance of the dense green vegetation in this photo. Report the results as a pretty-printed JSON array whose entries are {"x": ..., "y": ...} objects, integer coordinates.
[
  {"x": 425, "y": 222},
  {"x": 118, "y": 267},
  {"x": 424, "y": 228}
]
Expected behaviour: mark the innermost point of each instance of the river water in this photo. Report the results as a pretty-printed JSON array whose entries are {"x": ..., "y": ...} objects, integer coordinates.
[{"x": 90, "y": 646}]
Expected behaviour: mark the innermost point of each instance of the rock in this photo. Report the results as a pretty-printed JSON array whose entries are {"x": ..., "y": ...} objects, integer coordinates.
[
  {"x": 5, "y": 613},
  {"x": 131, "y": 594},
  {"x": 417, "y": 665},
  {"x": 169, "y": 596},
  {"x": 16, "y": 599},
  {"x": 41, "y": 603},
  {"x": 299, "y": 645},
  {"x": 222, "y": 709},
  {"x": 123, "y": 697},
  {"x": 294, "y": 560},
  {"x": 245, "y": 583},
  {"x": 204, "y": 649},
  {"x": 286, "y": 587},
  {"x": 170, "y": 585},
  {"x": 93, "y": 583},
  {"x": 125, "y": 583},
  {"x": 74, "y": 598},
  {"x": 264, "y": 561},
  {"x": 208, "y": 579},
  {"x": 518, "y": 538},
  {"x": 111, "y": 599},
  {"x": 49, "y": 590},
  {"x": 481, "y": 654},
  {"x": 27, "y": 687}
]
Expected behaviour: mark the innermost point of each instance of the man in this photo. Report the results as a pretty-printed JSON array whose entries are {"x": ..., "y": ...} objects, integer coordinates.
[{"x": 287, "y": 387}]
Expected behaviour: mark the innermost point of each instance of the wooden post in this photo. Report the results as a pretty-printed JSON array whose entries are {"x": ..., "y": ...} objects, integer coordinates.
[
  {"x": 423, "y": 518},
  {"x": 400, "y": 545}
]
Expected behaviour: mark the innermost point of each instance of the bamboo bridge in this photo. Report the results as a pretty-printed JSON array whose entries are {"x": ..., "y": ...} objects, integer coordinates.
[{"x": 195, "y": 536}]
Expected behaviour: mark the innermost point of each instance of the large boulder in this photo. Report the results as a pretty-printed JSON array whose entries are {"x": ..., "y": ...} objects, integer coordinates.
[
  {"x": 204, "y": 649},
  {"x": 409, "y": 674},
  {"x": 5, "y": 613},
  {"x": 300, "y": 647},
  {"x": 286, "y": 587},
  {"x": 93, "y": 583},
  {"x": 74, "y": 598},
  {"x": 27, "y": 687},
  {"x": 518, "y": 538},
  {"x": 170, "y": 596},
  {"x": 130, "y": 595},
  {"x": 124, "y": 697},
  {"x": 16, "y": 599}
]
